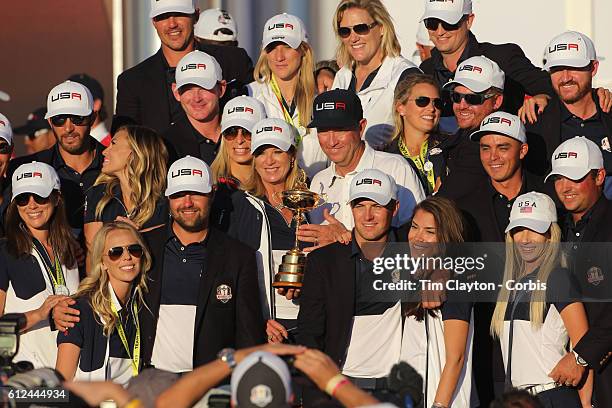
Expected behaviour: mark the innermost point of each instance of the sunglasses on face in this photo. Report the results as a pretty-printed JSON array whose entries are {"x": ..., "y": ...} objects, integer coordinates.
[
  {"x": 115, "y": 253},
  {"x": 59, "y": 120},
  {"x": 5, "y": 148},
  {"x": 433, "y": 23},
  {"x": 423, "y": 101},
  {"x": 23, "y": 199},
  {"x": 470, "y": 99},
  {"x": 359, "y": 29},
  {"x": 232, "y": 133}
]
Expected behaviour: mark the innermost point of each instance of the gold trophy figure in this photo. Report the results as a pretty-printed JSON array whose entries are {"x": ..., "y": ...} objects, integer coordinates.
[{"x": 299, "y": 200}]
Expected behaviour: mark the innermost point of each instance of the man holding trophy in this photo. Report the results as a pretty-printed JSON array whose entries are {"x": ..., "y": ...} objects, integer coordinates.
[{"x": 337, "y": 314}]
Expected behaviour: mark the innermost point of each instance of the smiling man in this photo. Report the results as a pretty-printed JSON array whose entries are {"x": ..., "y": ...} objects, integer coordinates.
[
  {"x": 338, "y": 313},
  {"x": 77, "y": 156},
  {"x": 144, "y": 92},
  {"x": 198, "y": 88},
  {"x": 575, "y": 108},
  {"x": 476, "y": 91}
]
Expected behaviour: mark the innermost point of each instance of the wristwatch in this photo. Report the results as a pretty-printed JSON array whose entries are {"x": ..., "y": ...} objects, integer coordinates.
[
  {"x": 579, "y": 360},
  {"x": 227, "y": 355}
]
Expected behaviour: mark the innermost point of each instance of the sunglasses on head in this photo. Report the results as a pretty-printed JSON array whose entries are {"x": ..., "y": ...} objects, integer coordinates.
[
  {"x": 59, "y": 120},
  {"x": 470, "y": 99},
  {"x": 359, "y": 29},
  {"x": 5, "y": 148},
  {"x": 232, "y": 133},
  {"x": 23, "y": 199},
  {"x": 423, "y": 101},
  {"x": 134, "y": 250},
  {"x": 433, "y": 23}
]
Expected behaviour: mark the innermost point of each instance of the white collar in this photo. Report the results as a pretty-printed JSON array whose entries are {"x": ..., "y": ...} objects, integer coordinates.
[{"x": 99, "y": 132}]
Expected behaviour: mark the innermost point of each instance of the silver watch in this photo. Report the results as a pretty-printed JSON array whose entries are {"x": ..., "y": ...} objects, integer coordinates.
[
  {"x": 227, "y": 355},
  {"x": 579, "y": 360}
]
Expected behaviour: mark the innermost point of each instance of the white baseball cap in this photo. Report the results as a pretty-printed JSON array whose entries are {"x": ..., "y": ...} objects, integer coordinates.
[
  {"x": 4, "y": 96},
  {"x": 189, "y": 174},
  {"x": 69, "y": 98},
  {"x": 449, "y": 11},
  {"x": 575, "y": 157},
  {"x": 275, "y": 132},
  {"x": 478, "y": 74},
  {"x": 243, "y": 111},
  {"x": 159, "y": 7},
  {"x": 198, "y": 68},
  {"x": 422, "y": 36},
  {"x": 285, "y": 28},
  {"x": 533, "y": 210},
  {"x": 373, "y": 184},
  {"x": 261, "y": 380},
  {"x": 570, "y": 49},
  {"x": 502, "y": 123},
  {"x": 6, "y": 130},
  {"x": 36, "y": 177},
  {"x": 213, "y": 22}
]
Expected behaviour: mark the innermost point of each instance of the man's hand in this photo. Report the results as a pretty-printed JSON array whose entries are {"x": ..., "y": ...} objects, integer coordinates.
[
  {"x": 276, "y": 332},
  {"x": 321, "y": 235},
  {"x": 318, "y": 366},
  {"x": 94, "y": 393},
  {"x": 567, "y": 371},
  {"x": 64, "y": 316},
  {"x": 278, "y": 349},
  {"x": 533, "y": 107},
  {"x": 605, "y": 99}
]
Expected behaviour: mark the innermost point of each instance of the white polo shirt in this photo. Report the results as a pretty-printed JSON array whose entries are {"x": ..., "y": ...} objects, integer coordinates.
[{"x": 336, "y": 187}]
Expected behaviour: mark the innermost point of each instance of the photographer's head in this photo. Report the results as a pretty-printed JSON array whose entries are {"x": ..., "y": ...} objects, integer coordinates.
[{"x": 261, "y": 380}]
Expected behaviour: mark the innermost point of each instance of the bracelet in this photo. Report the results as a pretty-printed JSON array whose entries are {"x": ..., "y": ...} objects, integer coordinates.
[
  {"x": 334, "y": 383},
  {"x": 438, "y": 405}
]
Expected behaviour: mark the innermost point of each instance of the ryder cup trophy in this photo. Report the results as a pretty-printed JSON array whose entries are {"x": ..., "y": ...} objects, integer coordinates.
[{"x": 299, "y": 200}]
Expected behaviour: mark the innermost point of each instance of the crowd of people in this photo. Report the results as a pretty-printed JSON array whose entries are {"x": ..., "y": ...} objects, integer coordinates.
[{"x": 153, "y": 246}]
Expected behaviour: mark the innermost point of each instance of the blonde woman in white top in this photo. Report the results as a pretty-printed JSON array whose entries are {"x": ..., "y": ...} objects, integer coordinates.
[{"x": 285, "y": 84}]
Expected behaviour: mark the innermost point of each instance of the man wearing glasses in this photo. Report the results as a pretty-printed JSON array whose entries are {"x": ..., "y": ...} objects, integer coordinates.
[
  {"x": 198, "y": 88},
  {"x": 77, "y": 156},
  {"x": 476, "y": 92},
  {"x": 448, "y": 23}
]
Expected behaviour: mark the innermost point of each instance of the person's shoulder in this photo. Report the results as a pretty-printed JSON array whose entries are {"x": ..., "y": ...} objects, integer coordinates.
[
  {"x": 331, "y": 251},
  {"x": 322, "y": 176},
  {"x": 140, "y": 68},
  {"x": 500, "y": 52},
  {"x": 44, "y": 156},
  {"x": 427, "y": 66},
  {"x": 390, "y": 161},
  {"x": 230, "y": 244}
]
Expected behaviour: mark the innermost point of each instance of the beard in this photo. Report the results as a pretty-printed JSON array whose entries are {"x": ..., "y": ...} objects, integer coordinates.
[
  {"x": 196, "y": 224},
  {"x": 576, "y": 96}
]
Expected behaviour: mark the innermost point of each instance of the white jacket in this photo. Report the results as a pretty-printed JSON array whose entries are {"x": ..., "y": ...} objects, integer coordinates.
[
  {"x": 377, "y": 99},
  {"x": 310, "y": 156}
]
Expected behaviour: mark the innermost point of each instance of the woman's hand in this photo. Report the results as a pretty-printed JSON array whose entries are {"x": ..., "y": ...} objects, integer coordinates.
[
  {"x": 276, "y": 332},
  {"x": 49, "y": 303},
  {"x": 128, "y": 221}
]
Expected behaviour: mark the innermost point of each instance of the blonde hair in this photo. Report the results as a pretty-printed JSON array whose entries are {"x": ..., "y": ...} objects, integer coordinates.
[
  {"x": 514, "y": 269},
  {"x": 221, "y": 166},
  {"x": 305, "y": 88},
  {"x": 255, "y": 185},
  {"x": 96, "y": 285},
  {"x": 146, "y": 170},
  {"x": 390, "y": 44},
  {"x": 401, "y": 94}
]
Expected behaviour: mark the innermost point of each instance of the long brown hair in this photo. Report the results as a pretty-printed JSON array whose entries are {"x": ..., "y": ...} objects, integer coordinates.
[
  {"x": 95, "y": 285},
  {"x": 60, "y": 234},
  {"x": 146, "y": 169}
]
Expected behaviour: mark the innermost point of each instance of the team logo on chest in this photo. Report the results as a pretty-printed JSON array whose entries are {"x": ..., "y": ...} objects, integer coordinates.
[
  {"x": 224, "y": 293},
  {"x": 595, "y": 275}
]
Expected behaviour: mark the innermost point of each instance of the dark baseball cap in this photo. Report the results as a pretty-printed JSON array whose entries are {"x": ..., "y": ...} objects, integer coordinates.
[
  {"x": 35, "y": 122},
  {"x": 91, "y": 83},
  {"x": 336, "y": 109}
]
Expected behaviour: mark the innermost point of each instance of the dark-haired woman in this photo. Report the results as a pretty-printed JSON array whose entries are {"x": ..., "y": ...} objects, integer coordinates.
[{"x": 38, "y": 265}]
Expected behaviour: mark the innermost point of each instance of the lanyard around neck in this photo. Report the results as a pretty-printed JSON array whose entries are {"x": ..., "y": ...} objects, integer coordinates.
[{"x": 135, "y": 356}]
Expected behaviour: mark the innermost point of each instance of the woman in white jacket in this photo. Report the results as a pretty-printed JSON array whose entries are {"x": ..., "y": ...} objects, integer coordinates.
[
  {"x": 369, "y": 54},
  {"x": 285, "y": 84}
]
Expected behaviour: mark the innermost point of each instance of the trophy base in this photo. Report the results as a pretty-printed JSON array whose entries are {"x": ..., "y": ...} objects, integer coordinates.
[{"x": 291, "y": 270}]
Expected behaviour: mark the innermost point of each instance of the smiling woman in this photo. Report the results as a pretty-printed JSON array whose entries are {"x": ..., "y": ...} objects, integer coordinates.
[
  {"x": 38, "y": 263},
  {"x": 105, "y": 343}
]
